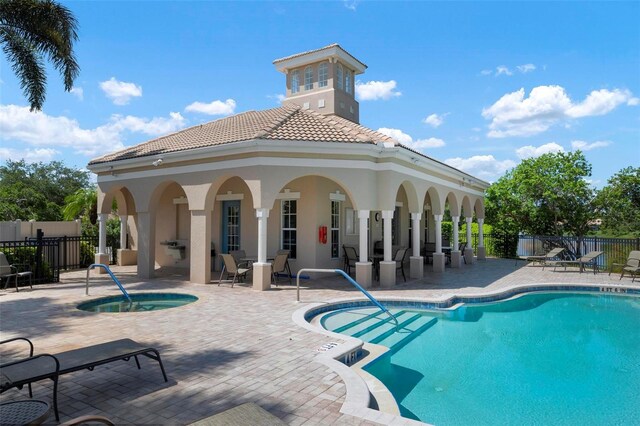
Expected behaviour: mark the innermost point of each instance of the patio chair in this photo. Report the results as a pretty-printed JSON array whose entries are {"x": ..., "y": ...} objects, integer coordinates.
[
  {"x": 288, "y": 253},
  {"x": 589, "y": 259},
  {"x": 88, "y": 419},
  {"x": 543, "y": 258},
  {"x": 350, "y": 258},
  {"x": 399, "y": 258},
  {"x": 239, "y": 255},
  {"x": 279, "y": 266},
  {"x": 461, "y": 247},
  {"x": 429, "y": 249},
  {"x": 632, "y": 266},
  {"x": 34, "y": 368},
  {"x": 231, "y": 267},
  {"x": 14, "y": 271}
]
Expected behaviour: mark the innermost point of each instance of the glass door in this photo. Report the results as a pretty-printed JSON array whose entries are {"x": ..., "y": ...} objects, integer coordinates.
[{"x": 230, "y": 226}]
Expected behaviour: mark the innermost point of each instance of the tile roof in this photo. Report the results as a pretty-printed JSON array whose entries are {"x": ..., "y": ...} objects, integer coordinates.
[{"x": 288, "y": 122}]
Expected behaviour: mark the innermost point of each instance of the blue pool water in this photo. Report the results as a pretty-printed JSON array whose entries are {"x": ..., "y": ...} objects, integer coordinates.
[
  {"x": 142, "y": 302},
  {"x": 542, "y": 358}
]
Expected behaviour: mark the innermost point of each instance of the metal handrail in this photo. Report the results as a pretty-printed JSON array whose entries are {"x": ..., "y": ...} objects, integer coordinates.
[
  {"x": 352, "y": 282},
  {"x": 113, "y": 277}
]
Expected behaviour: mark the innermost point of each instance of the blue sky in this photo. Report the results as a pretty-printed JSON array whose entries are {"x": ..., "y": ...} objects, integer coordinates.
[{"x": 479, "y": 85}]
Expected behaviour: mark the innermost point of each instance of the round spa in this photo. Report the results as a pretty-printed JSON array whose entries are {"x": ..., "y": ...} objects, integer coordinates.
[{"x": 141, "y": 302}]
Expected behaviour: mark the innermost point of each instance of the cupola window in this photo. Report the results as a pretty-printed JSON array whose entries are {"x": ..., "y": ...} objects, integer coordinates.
[
  {"x": 295, "y": 81},
  {"x": 323, "y": 75},
  {"x": 308, "y": 78},
  {"x": 347, "y": 81},
  {"x": 340, "y": 77}
]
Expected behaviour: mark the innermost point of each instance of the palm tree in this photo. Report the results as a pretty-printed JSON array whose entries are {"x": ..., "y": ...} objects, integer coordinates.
[
  {"x": 31, "y": 30},
  {"x": 83, "y": 202}
]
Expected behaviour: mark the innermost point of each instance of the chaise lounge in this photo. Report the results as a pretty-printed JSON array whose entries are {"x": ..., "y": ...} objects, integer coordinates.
[
  {"x": 542, "y": 259},
  {"x": 632, "y": 266},
  {"x": 25, "y": 371},
  {"x": 589, "y": 259}
]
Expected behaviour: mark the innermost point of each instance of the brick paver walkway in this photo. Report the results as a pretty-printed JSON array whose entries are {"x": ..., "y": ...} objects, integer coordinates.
[{"x": 234, "y": 345}]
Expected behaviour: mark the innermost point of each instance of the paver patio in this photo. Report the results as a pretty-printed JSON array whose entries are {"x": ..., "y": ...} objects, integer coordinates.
[{"x": 234, "y": 345}]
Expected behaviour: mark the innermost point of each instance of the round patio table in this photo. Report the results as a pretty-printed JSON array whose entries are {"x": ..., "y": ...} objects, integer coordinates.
[{"x": 24, "y": 412}]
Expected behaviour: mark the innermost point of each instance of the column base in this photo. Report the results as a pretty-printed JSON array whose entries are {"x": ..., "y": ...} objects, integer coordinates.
[
  {"x": 482, "y": 253},
  {"x": 438, "y": 262},
  {"x": 127, "y": 257},
  {"x": 456, "y": 259},
  {"x": 387, "y": 274},
  {"x": 468, "y": 255},
  {"x": 103, "y": 259},
  {"x": 261, "y": 276},
  {"x": 416, "y": 267},
  {"x": 364, "y": 272}
]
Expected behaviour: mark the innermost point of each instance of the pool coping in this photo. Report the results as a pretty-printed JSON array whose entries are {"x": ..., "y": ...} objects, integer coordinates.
[{"x": 341, "y": 357}]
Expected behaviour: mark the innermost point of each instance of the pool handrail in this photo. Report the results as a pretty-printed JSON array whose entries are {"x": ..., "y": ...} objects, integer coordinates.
[
  {"x": 352, "y": 282},
  {"x": 113, "y": 277}
]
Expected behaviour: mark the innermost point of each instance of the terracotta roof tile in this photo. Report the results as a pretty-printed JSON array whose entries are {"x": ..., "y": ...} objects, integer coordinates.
[{"x": 287, "y": 122}]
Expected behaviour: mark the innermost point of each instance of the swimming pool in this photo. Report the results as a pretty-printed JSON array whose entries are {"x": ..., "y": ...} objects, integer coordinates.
[
  {"x": 540, "y": 358},
  {"x": 140, "y": 302}
]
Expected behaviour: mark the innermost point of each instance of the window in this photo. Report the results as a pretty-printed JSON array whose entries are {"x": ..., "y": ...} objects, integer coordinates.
[
  {"x": 347, "y": 81},
  {"x": 308, "y": 78},
  {"x": 295, "y": 81},
  {"x": 323, "y": 75},
  {"x": 288, "y": 240},
  {"x": 335, "y": 229},
  {"x": 339, "y": 77}
]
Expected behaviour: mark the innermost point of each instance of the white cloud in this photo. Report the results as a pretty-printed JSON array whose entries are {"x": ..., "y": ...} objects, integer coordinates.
[
  {"x": 407, "y": 140},
  {"x": 486, "y": 72},
  {"x": 485, "y": 167},
  {"x": 374, "y": 90},
  {"x": 501, "y": 69},
  {"x": 600, "y": 102},
  {"x": 526, "y": 68},
  {"x": 213, "y": 108},
  {"x": 530, "y": 151},
  {"x": 586, "y": 146},
  {"x": 351, "y": 4},
  {"x": 29, "y": 155},
  {"x": 435, "y": 120},
  {"x": 515, "y": 115},
  {"x": 120, "y": 92},
  {"x": 78, "y": 92},
  {"x": 41, "y": 130},
  {"x": 278, "y": 97}
]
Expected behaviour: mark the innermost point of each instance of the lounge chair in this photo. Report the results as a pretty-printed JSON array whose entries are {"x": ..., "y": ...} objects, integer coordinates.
[
  {"x": 279, "y": 266},
  {"x": 231, "y": 267},
  {"x": 14, "y": 271},
  {"x": 632, "y": 266},
  {"x": 34, "y": 368},
  {"x": 543, "y": 258},
  {"x": 288, "y": 253},
  {"x": 589, "y": 259}
]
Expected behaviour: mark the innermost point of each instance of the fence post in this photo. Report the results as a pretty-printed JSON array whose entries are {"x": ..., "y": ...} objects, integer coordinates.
[
  {"x": 39, "y": 235},
  {"x": 64, "y": 253}
]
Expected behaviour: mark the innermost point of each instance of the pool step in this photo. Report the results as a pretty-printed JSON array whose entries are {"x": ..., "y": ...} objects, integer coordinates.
[
  {"x": 404, "y": 327},
  {"x": 396, "y": 341},
  {"x": 376, "y": 326},
  {"x": 374, "y": 316}
]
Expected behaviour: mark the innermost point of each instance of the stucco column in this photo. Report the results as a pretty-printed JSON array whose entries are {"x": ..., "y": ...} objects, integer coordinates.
[
  {"x": 363, "y": 267},
  {"x": 455, "y": 245},
  {"x": 468, "y": 252},
  {"x": 482, "y": 253},
  {"x": 438, "y": 256},
  {"x": 262, "y": 268},
  {"x": 123, "y": 231},
  {"x": 416, "y": 268},
  {"x": 200, "y": 247},
  {"x": 146, "y": 245},
  {"x": 102, "y": 256},
  {"x": 388, "y": 266}
]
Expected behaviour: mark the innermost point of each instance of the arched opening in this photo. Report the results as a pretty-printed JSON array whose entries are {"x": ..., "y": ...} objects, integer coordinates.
[{"x": 171, "y": 224}]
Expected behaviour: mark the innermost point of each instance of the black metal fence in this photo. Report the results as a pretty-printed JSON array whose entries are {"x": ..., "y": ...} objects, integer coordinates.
[{"x": 46, "y": 257}]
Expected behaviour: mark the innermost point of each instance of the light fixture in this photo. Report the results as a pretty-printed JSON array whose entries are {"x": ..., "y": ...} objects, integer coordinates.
[{"x": 157, "y": 162}]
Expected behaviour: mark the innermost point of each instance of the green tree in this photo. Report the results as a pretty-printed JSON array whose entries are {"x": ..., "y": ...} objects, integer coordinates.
[
  {"x": 547, "y": 195},
  {"x": 32, "y": 30},
  {"x": 618, "y": 203},
  {"x": 37, "y": 191},
  {"x": 82, "y": 204}
]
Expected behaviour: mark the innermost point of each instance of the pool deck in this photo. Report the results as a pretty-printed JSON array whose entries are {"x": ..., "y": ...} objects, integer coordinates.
[{"x": 235, "y": 345}]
